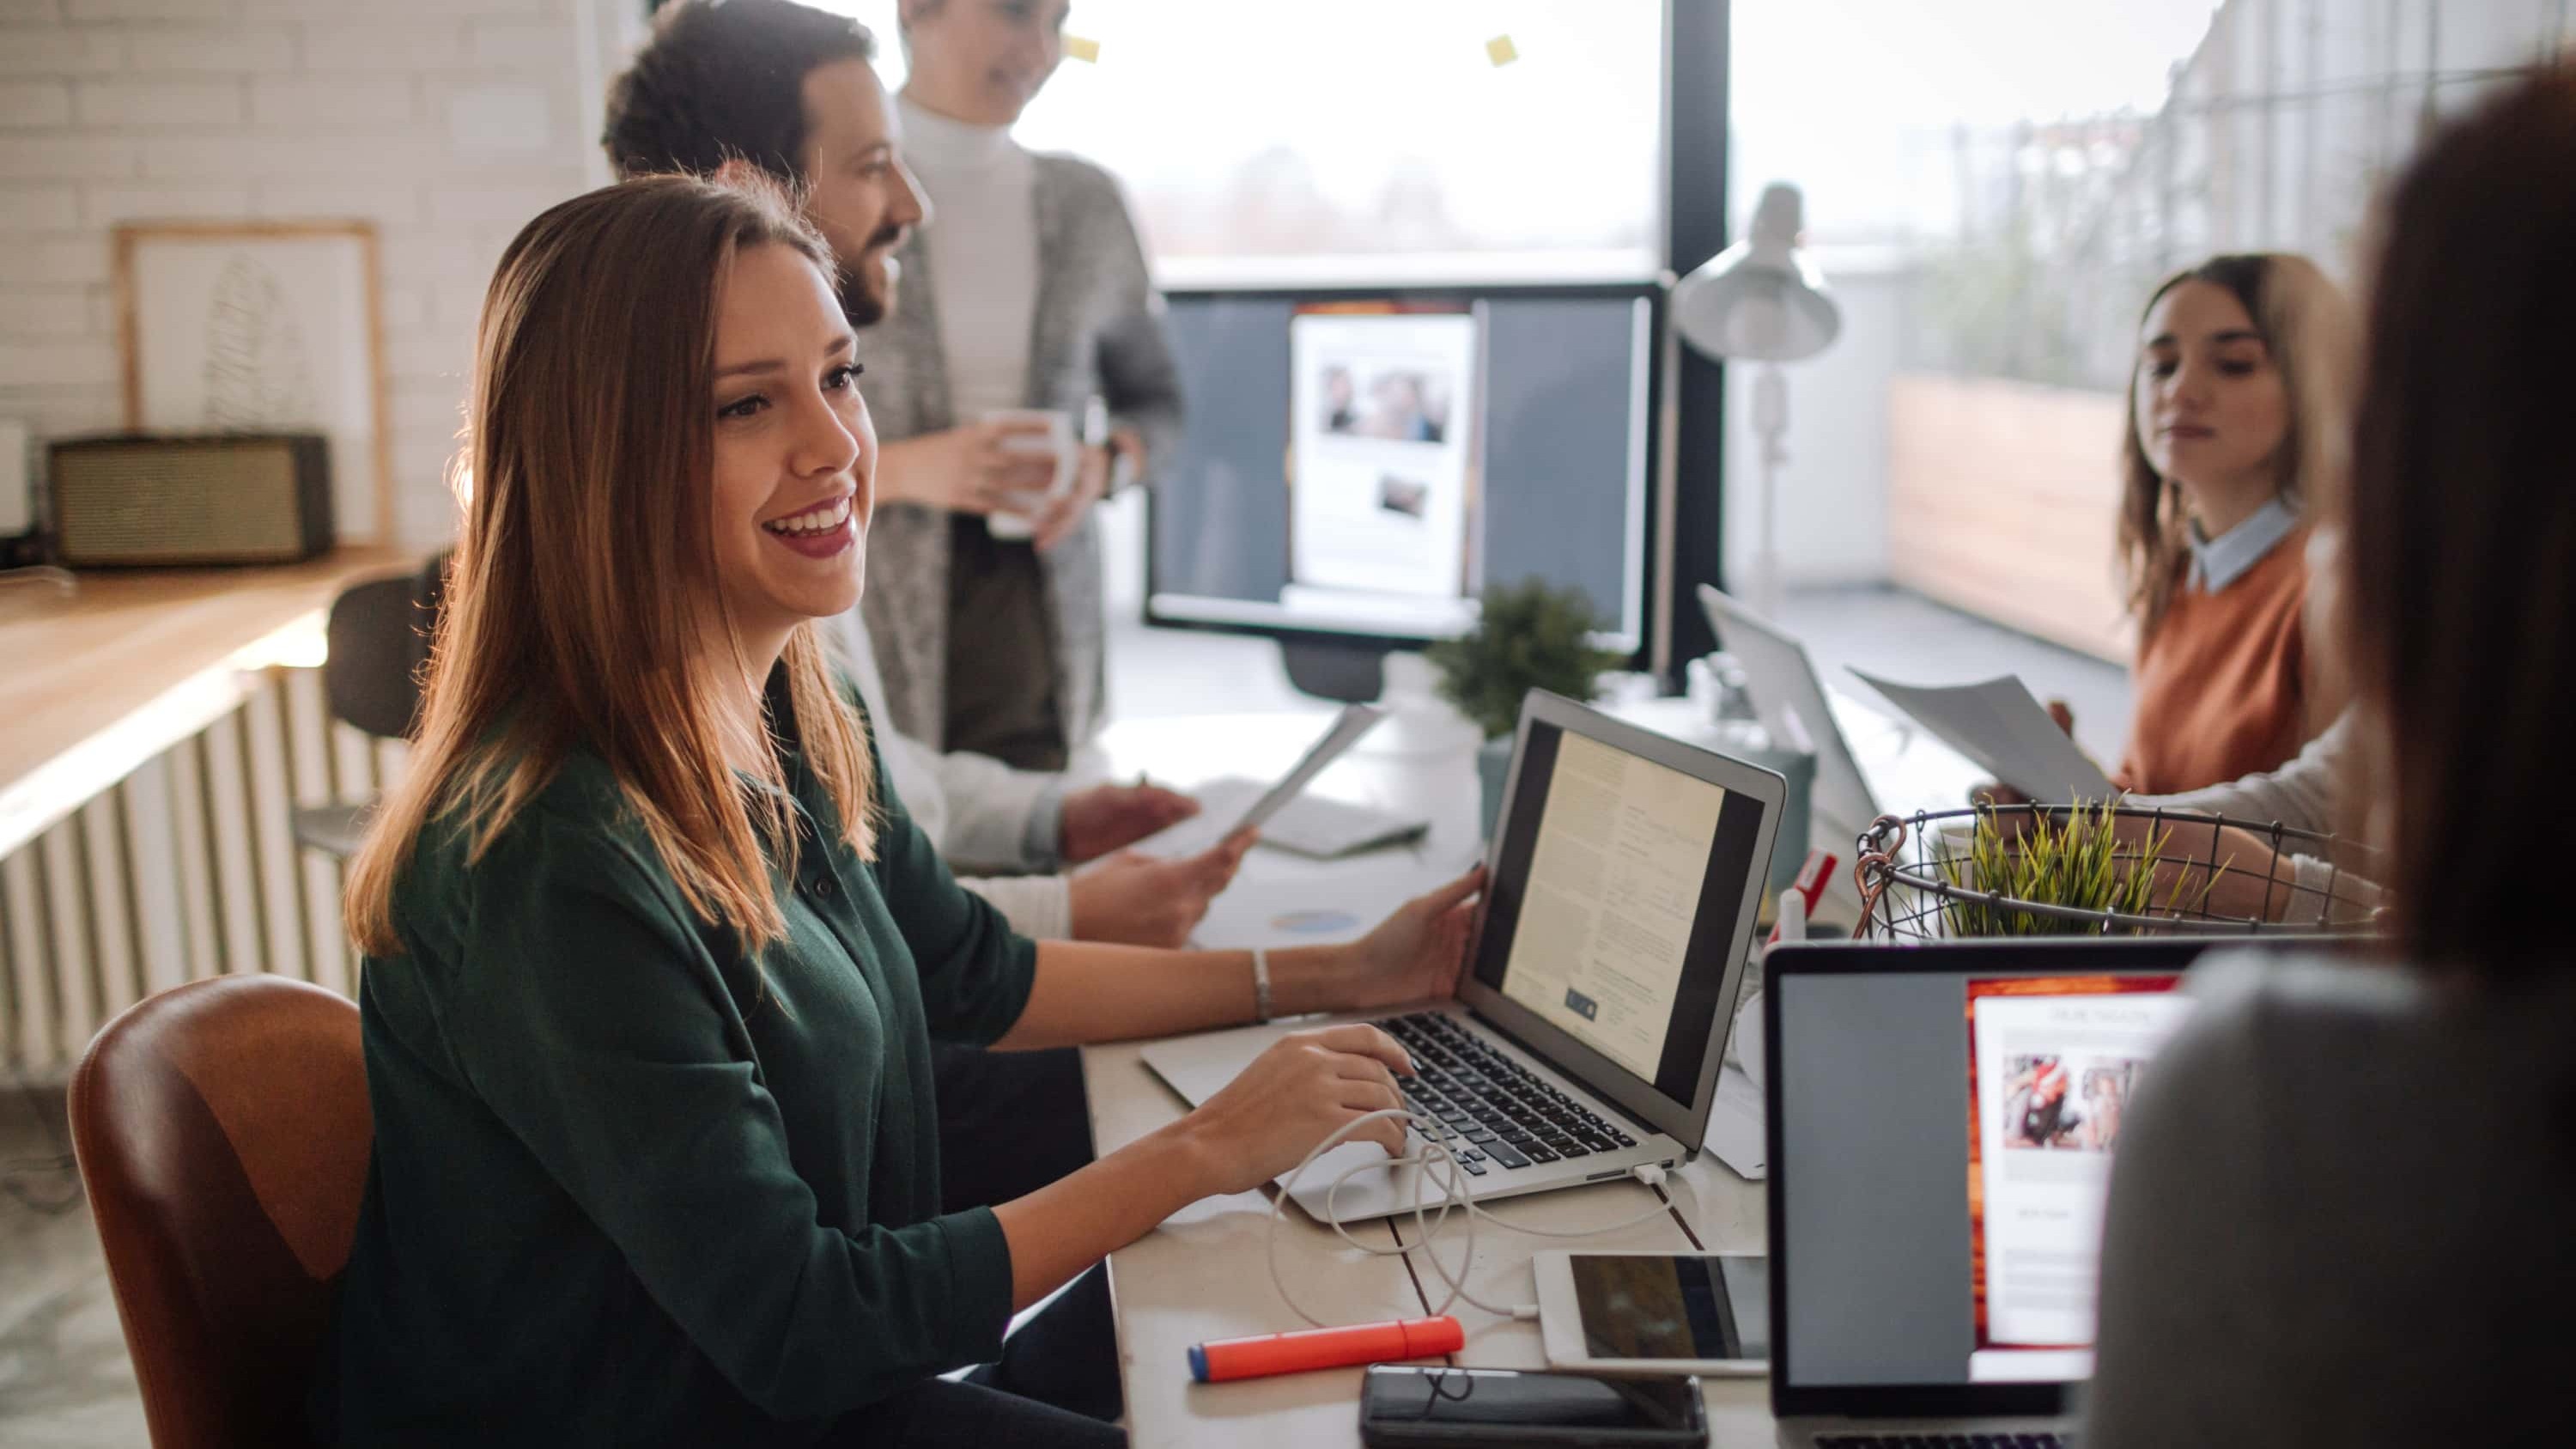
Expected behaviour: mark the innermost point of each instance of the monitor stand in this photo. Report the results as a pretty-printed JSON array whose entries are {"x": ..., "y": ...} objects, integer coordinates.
[{"x": 1348, "y": 673}]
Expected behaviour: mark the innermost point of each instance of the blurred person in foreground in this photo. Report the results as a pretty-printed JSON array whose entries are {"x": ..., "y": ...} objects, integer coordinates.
[{"x": 2338, "y": 1212}]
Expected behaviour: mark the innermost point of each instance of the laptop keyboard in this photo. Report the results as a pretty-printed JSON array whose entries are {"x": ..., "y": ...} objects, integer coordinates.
[
  {"x": 1491, "y": 1111},
  {"x": 1945, "y": 1441}
]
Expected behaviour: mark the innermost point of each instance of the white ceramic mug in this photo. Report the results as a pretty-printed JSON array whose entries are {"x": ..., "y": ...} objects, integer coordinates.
[{"x": 1057, "y": 440}]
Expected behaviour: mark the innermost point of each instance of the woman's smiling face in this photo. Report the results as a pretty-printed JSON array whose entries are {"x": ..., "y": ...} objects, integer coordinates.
[{"x": 794, "y": 452}]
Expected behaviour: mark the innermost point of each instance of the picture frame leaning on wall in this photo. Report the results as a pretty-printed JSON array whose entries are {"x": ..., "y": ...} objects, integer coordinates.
[{"x": 263, "y": 326}]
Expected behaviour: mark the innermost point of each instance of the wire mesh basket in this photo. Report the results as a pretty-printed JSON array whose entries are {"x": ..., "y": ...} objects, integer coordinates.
[{"x": 1924, "y": 877}]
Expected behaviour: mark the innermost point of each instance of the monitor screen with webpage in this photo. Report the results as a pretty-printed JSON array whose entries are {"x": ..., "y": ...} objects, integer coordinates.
[
  {"x": 1614, "y": 900},
  {"x": 1360, "y": 465},
  {"x": 1945, "y": 1144}
]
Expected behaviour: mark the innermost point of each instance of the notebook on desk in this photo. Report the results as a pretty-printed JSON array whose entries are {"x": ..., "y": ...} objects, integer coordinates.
[
  {"x": 1589, "y": 1025},
  {"x": 1309, "y": 824}
]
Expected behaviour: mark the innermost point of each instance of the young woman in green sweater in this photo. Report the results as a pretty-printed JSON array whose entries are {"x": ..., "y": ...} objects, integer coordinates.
[{"x": 654, "y": 963}]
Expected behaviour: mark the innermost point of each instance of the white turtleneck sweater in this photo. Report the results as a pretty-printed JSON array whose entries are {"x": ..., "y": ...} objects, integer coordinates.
[{"x": 982, "y": 239}]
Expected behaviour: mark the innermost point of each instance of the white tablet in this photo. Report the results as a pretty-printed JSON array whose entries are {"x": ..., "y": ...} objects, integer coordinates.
[{"x": 1655, "y": 1314}]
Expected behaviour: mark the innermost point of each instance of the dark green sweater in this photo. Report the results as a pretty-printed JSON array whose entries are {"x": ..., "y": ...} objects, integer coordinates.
[{"x": 625, "y": 1193}]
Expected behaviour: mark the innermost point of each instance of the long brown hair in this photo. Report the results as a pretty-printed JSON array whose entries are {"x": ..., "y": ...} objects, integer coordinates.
[
  {"x": 2307, "y": 328},
  {"x": 584, "y": 577},
  {"x": 2458, "y": 574}
]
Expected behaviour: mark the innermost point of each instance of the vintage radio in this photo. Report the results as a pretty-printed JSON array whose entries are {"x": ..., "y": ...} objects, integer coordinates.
[{"x": 244, "y": 498}]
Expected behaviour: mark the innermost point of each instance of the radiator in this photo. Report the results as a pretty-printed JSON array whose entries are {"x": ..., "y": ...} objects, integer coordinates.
[{"x": 187, "y": 868}]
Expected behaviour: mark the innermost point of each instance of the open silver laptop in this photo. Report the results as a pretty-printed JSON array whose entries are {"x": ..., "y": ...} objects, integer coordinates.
[
  {"x": 1942, "y": 1124},
  {"x": 1622, "y": 884},
  {"x": 1793, "y": 705}
]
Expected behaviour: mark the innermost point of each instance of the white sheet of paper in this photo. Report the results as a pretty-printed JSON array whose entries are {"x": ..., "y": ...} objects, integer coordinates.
[
  {"x": 1735, "y": 1125},
  {"x": 1997, "y": 724},
  {"x": 1205, "y": 830}
]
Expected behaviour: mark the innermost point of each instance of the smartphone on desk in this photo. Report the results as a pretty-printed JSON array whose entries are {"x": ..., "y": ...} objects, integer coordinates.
[{"x": 1403, "y": 1406}]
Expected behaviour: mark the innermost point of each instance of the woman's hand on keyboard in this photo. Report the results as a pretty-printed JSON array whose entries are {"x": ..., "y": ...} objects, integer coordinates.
[
  {"x": 1138, "y": 900},
  {"x": 1308, "y": 1085}
]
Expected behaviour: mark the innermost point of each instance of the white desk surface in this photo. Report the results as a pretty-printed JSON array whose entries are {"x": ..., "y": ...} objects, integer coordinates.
[{"x": 1202, "y": 1274}]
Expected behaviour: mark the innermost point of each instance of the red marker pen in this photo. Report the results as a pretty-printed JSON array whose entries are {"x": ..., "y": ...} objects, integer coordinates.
[{"x": 1322, "y": 1348}]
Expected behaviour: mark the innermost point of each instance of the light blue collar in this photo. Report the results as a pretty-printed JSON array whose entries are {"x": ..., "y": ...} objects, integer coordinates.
[{"x": 2218, "y": 562}]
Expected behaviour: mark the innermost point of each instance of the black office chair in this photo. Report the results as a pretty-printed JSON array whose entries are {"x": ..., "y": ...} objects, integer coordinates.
[{"x": 379, "y": 639}]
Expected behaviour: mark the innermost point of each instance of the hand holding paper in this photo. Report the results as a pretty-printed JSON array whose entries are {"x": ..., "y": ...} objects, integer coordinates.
[
  {"x": 1999, "y": 725},
  {"x": 1202, "y": 832}
]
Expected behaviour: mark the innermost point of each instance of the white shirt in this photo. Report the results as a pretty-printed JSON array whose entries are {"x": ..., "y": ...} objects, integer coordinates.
[
  {"x": 982, "y": 241},
  {"x": 964, "y": 802},
  {"x": 2218, "y": 562}
]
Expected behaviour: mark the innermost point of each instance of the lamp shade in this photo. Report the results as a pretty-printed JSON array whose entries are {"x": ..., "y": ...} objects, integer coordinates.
[{"x": 1760, "y": 299}]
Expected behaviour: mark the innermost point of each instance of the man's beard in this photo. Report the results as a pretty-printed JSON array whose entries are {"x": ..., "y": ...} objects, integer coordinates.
[{"x": 858, "y": 304}]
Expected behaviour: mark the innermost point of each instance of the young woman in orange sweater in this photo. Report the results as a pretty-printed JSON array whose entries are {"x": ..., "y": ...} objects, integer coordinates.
[{"x": 2237, "y": 408}]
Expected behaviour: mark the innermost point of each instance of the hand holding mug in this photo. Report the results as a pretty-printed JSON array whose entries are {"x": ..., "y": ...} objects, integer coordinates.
[{"x": 981, "y": 467}]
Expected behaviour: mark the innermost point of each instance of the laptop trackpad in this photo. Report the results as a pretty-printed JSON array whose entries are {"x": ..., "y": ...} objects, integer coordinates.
[
  {"x": 1198, "y": 1067},
  {"x": 1376, "y": 1185}
]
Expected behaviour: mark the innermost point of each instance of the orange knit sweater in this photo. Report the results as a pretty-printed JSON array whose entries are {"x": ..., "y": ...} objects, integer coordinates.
[{"x": 2222, "y": 684}]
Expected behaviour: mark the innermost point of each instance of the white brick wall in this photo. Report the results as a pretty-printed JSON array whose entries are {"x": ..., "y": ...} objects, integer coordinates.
[
  {"x": 38, "y": 208},
  {"x": 34, "y": 103},
  {"x": 191, "y": 104},
  {"x": 448, "y": 123}
]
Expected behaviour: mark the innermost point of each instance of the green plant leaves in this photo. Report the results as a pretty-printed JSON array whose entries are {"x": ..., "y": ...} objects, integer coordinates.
[
  {"x": 1531, "y": 636},
  {"x": 2078, "y": 861}
]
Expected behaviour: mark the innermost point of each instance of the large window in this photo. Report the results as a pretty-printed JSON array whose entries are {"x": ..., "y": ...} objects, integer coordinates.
[
  {"x": 1994, "y": 186},
  {"x": 1365, "y": 139}
]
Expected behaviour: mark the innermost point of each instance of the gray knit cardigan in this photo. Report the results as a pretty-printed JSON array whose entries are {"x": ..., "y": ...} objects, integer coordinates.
[{"x": 1099, "y": 329}]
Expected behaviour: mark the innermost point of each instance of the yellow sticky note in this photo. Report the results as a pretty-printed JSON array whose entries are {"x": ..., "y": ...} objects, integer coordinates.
[
  {"x": 1500, "y": 51},
  {"x": 1078, "y": 48}
]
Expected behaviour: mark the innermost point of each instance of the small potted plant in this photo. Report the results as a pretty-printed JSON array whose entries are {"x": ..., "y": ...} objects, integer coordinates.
[
  {"x": 2077, "y": 861},
  {"x": 1530, "y": 635}
]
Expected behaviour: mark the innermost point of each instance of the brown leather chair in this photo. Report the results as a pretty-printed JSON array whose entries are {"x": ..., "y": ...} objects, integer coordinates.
[{"x": 223, "y": 1133}]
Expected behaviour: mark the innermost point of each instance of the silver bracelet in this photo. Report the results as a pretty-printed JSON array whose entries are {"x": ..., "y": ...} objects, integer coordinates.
[{"x": 1260, "y": 984}]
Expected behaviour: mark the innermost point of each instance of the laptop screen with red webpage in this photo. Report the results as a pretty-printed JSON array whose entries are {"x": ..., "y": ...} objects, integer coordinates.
[{"x": 1942, "y": 1122}]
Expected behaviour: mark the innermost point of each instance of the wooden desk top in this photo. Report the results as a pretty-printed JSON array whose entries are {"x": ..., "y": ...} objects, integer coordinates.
[{"x": 130, "y": 662}]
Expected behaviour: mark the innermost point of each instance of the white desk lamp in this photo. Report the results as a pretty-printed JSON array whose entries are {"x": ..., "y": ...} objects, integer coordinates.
[{"x": 1761, "y": 300}]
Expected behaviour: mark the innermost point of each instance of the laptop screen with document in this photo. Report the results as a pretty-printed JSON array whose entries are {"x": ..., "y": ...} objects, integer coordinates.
[{"x": 1618, "y": 889}]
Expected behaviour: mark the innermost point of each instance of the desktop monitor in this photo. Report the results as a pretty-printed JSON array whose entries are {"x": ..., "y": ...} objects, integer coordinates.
[{"x": 1357, "y": 465}]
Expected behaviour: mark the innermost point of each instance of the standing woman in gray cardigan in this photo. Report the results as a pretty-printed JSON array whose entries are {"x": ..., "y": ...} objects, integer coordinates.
[
  {"x": 1026, "y": 288},
  {"x": 2340, "y": 1210}
]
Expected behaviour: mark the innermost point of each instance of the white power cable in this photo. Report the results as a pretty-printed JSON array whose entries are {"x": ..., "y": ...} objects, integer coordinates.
[{"x": 1428, "y": 1226}]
